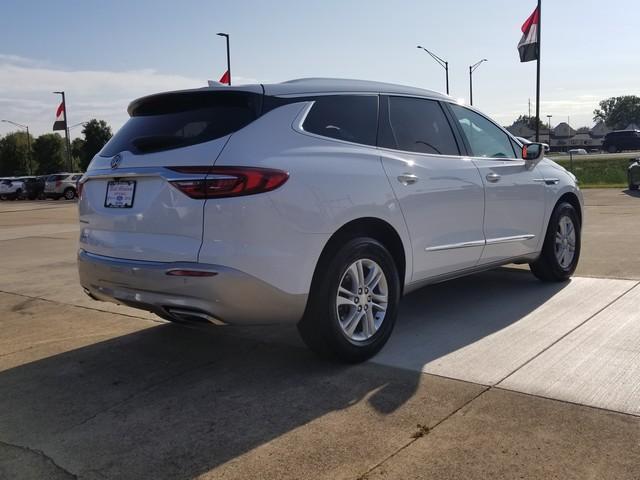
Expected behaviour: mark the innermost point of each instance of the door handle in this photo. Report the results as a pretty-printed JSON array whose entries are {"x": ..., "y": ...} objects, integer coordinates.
[
  {"x": 407, "y": 178},
  {"x": 493, "y": 177}
]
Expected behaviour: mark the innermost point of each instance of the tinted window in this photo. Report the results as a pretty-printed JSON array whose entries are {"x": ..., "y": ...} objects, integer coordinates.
[
  {"x": 484, "y": 137},
  {"x": 174, "y": 120},
  {"x": 353, "y": 118},
  {"x": 55, "y": 178},
  {"x": 417, "y": 125}
]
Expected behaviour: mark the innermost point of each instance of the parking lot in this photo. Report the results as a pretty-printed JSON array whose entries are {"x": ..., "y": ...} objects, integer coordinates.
[{"x": 492, "y": 376}]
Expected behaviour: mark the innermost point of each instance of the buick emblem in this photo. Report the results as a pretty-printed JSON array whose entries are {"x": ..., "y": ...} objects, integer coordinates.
[{"x": 115, "y": 161}]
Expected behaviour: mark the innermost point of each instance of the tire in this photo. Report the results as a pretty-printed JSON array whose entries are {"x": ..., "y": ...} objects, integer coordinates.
[
  {"x": 552, "y": 266},
  {"x": 325, "y": 324},
  {"x": 633, "y": 186},
  {"x": 612, "y": 149},
  {"x": 69, "y": 194}
]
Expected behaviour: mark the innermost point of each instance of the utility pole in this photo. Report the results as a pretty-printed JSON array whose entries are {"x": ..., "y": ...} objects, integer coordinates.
[{"x": 29, "y": 169}]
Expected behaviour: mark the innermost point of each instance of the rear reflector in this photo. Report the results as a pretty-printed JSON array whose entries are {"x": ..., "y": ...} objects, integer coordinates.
[
  {"x": 191, "y": 273},
  {"x": 222, "y": 182}
]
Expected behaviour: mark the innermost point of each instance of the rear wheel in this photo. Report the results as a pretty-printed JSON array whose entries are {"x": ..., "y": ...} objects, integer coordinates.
[
  {"x": 561, "y": 249},
  {"x": 353, "y": 302},
  {"x": 69, "y": 194}
]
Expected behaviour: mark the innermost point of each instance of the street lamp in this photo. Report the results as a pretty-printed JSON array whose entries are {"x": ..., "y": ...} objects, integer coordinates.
[
  {"x": 549, "y": 119},
  {"x": 443, "y": 63},
  {"x": 226, "y": 36},
  {"x": 472, "y": 69},
  {"x": 77, "y": 125},
  {"x": 28, "y": 142}
]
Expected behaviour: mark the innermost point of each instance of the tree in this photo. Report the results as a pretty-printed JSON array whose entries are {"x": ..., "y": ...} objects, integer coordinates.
[
  {"x": 96, "y": 134},
  {"x": 618, "y": 112},
  {"x": 49, "y": 153},
  {"x": 14, "y": 155},
  {"x": 529, "y": 122},
  {"x": 77, "y": 148}
]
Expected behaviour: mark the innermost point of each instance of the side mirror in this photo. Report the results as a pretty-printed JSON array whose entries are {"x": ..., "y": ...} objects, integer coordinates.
[{"x": 533, "y": 151}]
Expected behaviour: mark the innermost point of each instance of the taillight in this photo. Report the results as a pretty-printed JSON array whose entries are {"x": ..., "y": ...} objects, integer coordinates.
[{"x": 224, "y": 182}]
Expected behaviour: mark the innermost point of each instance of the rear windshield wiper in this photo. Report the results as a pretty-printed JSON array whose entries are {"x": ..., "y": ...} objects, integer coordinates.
[{"x": 154, "y": 143}]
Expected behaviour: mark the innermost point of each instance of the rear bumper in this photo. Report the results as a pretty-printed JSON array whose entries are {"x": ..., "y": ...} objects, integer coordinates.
[{"x": 230, "y": 296}]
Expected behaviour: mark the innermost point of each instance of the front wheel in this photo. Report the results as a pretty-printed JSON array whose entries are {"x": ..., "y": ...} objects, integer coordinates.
[
  {"x": 561, "y": 249},
  {"x": 353, "y": 302}
]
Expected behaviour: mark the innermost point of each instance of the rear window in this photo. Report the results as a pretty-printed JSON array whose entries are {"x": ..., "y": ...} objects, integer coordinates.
[
  {"x": 352, "y": 118},
  {"x": 417, "y": 125},
  {"x": 175, "y": 120},
  {"x": 55, "y": 178}
]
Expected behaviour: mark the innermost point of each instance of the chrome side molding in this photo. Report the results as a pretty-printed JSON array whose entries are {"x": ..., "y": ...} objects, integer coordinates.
[{"x": 481, "y": 243}]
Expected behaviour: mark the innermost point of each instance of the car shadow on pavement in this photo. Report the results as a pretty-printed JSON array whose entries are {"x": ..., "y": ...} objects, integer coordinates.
[
  {"x": 175, "y": 402},
  {"x": 632, "y": 193}
]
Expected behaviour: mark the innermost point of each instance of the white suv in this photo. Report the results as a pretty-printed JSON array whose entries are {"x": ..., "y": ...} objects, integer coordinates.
[{"x": 318, "y": 202}]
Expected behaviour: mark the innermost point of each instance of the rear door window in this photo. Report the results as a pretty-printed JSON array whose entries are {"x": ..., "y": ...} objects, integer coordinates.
[
  {"x": 416, "y": 125},
  {"x": 352, "y": 118},
  {"x": 484, "y": 137},
  {"x": 179, "y": 119}
]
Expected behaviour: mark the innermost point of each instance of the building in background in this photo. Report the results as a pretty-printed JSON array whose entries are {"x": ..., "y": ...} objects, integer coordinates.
[{"x": 563, "y": 138}]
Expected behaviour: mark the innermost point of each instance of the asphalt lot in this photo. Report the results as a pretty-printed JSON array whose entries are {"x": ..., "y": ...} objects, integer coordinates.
[{"x": 491, "y": 376}]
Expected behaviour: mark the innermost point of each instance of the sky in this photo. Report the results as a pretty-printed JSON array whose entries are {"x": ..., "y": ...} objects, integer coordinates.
[{"x": 104, "y": 54}]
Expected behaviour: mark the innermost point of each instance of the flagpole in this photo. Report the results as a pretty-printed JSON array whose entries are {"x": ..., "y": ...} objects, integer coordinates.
[
  {"x": 538, "y": 71},
  {"x": 67, "y": 144}
]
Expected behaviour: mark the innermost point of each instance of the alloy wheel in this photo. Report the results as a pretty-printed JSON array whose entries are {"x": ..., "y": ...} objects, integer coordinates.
[{"x": 362, "y": 299}]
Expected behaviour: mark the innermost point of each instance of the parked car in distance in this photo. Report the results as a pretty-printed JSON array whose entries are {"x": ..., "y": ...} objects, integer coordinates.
[
  {"x": 318, "y": 202},
  {"x": 524, "y": 141},
  {"x": 633, "y": 173},
  {"x": 578, "y": 151},
  {"x": 62, "y": 185},
  {"x": 34, "y": 187},
  {"x": 11, "y": 188},
  {"x": 620, "y": 140}
]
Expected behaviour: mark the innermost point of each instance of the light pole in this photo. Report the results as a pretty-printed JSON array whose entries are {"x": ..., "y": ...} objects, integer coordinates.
[
  {"x": 226, "y": 36},
  {"x": 77, "y": 125},
  {"x": 66, "y": 130},
  {"x": 443, "y": 63},
  {"x": 28, "y": 142},
  {"x": 472, "y": 69},
  {"x": 549, "y": 119}
]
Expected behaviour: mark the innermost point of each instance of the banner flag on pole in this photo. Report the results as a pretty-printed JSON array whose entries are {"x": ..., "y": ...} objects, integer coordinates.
[
  {"x": 529, "y": 45},
  {"x": 61, "y": 121},
  {"x": 225, "y": 78}
]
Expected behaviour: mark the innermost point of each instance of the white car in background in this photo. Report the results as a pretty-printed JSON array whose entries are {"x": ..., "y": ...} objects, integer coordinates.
[
  {"x": 318, "y": 202},
  {"x": 62, "y": 185},
  {"x": 11, "y": 188}
]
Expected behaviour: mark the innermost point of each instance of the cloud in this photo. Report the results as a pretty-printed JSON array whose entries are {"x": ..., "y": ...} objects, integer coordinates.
[{"x": 27, "y": 86}]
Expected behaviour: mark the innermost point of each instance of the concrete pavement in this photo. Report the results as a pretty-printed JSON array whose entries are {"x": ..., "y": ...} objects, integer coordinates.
[{"x": 95, "y": 390}]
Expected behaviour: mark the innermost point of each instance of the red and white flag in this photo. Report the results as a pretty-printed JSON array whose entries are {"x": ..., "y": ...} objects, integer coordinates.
[
  {"x": 529, "y": 46},
  {"x": 61, "y": 121},
  {"x": 226, "y": 78}
]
